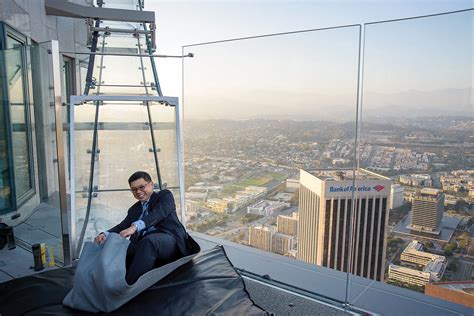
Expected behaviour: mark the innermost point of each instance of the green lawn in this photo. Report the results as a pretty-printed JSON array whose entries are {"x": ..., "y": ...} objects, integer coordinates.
[{"x": 262, "y": 179}]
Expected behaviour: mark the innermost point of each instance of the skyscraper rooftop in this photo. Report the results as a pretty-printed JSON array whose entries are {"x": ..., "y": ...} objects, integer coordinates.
[{"x": 348, "y": 174}]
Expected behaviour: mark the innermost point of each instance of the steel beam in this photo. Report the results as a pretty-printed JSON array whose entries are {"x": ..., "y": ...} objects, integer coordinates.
[{"x": 72, "y": 10}]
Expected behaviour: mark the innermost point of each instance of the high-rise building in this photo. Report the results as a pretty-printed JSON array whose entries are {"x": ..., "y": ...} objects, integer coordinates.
[
  {"x": 427, "y": 210},
  {"x": 324, "y": 220},
  {"x": 288, "y": 224},
  {"x": 397, "y": 196},
  {"x": 261, "y": 237}
]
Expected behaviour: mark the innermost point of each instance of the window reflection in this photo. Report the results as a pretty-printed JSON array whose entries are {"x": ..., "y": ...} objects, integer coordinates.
[{"x": 16, "y": 81}]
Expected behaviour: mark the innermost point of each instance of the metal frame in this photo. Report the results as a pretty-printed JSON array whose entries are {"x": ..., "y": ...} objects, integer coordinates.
[
  {"x": 129, "y": 55},
  {"x": 72, "y": 10},
  {"x": 81, "y": 99},
  {"x": 56, "y": 65},
  {"x": 6, "y": 121}
]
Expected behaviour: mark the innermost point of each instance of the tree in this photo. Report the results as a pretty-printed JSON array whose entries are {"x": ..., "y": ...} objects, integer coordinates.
[
  {"x": 449, "y": 248},
  {"x": 429, "y": 244},
  {"x": 461, "y": 205}
]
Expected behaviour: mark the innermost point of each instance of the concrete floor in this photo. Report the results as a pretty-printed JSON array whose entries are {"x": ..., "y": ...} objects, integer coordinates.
[{"x": 16, "y": 263}]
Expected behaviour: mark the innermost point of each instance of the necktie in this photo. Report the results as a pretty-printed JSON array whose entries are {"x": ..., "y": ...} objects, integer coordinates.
[
  {"x": 145, "y": 213},
  {"x": 145, "y": 209}
]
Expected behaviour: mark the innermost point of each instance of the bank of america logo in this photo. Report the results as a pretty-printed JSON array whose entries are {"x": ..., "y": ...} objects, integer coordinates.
[{"x": 379, "y": 187}]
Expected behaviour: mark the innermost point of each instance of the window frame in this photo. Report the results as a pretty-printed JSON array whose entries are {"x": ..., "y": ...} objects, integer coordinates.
[{"x": 17, "y": 201}]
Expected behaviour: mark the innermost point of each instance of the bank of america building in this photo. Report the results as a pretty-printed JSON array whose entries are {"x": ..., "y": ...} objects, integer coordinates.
[{"x": 326, "y": 200}]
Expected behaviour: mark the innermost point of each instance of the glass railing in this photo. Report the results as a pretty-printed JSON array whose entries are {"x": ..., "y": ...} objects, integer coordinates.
[
  {"x": 124, "y": 144},
  {"x": 266, "y": 115},
  {"x": 416, "y": 129},
  {"x": 314, "y": 144}
]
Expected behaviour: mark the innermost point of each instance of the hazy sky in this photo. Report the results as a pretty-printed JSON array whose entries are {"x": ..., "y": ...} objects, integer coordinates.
[{"x": 316, "y": 70}]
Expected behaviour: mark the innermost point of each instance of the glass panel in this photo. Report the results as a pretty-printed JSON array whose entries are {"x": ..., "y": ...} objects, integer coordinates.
[
  {"x": 107, "y": 210},
  {"x": 416, "y": 129},
  {"x": 15, "y": 72},
  {"x": 269, "y": 115},
  {"x": 84, "y": 115},
  {"x": 124, "y": 146},
  {"x": 136, "y": 73},
  {"x": 164, "y": 127},
  {"x": 131, "y": 76},
  {"x": 122, "y": 4}
]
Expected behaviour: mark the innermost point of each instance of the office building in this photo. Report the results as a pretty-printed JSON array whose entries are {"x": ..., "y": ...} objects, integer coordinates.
[
  {"x": 283, "y": 244},
  {"x": 408, "y": 275},
  {"x": 397, "y": 193},
  {"x": 427, "y": 210},
  {"x": 432, "y": 266},
  {"x": 261, "y": 237},
  {"x": 268, "y": 239},
  {"x": 288, "y": 224},
  {"x": 324, "y": 220},
  {"x": 414, "y": 253},
  {"x": 217, "y": 205},
  {"x": 432, "y": 272},
  {"x": 292, "y": 185}
]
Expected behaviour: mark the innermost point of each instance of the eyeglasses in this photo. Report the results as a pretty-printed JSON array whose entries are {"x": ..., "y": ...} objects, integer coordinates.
[{"x": 139, "y": 188}]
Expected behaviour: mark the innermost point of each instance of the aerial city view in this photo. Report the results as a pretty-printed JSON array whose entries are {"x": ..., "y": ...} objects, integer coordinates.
[{"x": 286, "y": 187}]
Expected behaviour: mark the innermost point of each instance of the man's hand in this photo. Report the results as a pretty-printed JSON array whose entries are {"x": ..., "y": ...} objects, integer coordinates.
[
  {"x": 129, "y": 231},
  {"x": 100, "y": 239}
]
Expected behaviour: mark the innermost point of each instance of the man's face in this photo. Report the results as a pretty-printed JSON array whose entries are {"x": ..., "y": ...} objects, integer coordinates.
[{"x": 141, "y": 189}]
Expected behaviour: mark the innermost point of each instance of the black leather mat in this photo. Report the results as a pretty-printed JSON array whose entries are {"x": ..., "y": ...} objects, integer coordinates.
[{"x": 208, "y": 285}]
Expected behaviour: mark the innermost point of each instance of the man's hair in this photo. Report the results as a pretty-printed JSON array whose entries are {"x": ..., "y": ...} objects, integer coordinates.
[{"x": 139, "y": 175}]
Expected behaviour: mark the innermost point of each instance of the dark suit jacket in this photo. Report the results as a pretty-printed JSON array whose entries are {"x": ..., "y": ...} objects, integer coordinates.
[{"x": 161, "y": 215}]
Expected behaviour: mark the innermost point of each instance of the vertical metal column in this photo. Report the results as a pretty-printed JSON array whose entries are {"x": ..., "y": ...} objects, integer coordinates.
[
  {"x": 150, "y": 51},
  {"x": 56, "y": 65}
]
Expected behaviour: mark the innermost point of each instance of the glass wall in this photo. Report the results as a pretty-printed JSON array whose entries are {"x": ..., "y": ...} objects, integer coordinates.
[
  {"x": 280, "y": 157},
  {"x": 19, "y": 113},
  {"x": 266, "y": 119},
  {"x": 416, "y": 129}
]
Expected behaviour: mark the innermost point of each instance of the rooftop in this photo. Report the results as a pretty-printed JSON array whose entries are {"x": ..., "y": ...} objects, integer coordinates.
[
  {"x": 347, "y": 174},
  {"x": 416, "y": 248},
  {"x": 430, "y": 192},
  {"x": 462, "y": 286}
]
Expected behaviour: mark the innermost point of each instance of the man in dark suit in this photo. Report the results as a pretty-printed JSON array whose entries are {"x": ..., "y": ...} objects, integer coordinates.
[{"x": 156, "y": 234}]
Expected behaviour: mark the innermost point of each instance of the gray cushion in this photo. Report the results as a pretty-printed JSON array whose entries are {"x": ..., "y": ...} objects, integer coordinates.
[{"x": 99, "y": 280}]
